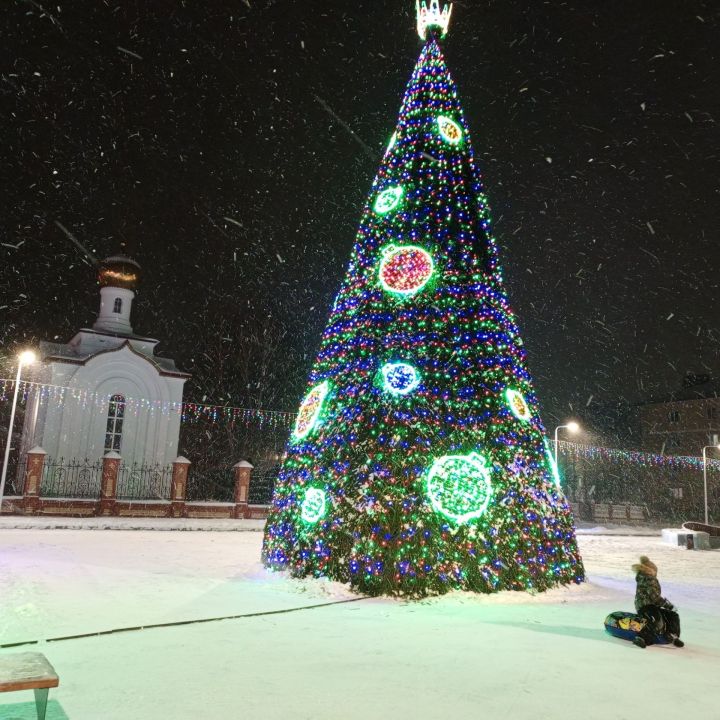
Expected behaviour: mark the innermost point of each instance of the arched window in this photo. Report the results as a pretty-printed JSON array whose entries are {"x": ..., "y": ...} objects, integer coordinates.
[
  {"x": 113, "y": 431},
  {"x": 117, "y": 307}
]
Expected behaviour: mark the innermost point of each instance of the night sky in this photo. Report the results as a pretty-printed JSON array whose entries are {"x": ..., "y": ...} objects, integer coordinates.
[{"x": 206, "y": 139}]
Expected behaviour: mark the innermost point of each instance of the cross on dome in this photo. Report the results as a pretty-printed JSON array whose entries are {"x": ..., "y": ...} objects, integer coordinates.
[{"x": 432, "y": 17}]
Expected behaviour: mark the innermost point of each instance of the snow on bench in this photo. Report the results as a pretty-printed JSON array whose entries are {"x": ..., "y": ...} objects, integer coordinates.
[
  {"x": 679, "y": 538},
  {"x": 28, "y": 671}
]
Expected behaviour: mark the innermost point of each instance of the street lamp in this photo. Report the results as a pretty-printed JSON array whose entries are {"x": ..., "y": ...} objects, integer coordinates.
[
  {"x": 707, "y": 447},
  {"x": 25, "y": 358},
  {"x": 572, "y": 427}
]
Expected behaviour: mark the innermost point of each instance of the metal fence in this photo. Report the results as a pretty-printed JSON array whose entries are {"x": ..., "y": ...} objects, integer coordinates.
[
  {"x": 213, "y": 484},
  {"x": 71, "y": 479},
  {"x": 261, "y": 489},
  {"x": 139, "y": 481},
  {"x": 15, "y": 480},
  {"x": 82, "y": 479}
]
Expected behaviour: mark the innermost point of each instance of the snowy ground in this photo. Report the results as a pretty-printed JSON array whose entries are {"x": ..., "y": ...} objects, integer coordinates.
[{"x": 504, "y": 656}]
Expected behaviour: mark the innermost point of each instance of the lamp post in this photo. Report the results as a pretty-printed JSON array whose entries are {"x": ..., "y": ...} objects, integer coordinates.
[
  {"x": 705, "y": 449},
  {"x": 25, "y": 358},
  {"x": 572, "y": 427}
]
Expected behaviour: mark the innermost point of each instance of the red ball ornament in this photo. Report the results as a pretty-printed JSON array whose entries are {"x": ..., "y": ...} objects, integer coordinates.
[{"x": 405, "y": 270}]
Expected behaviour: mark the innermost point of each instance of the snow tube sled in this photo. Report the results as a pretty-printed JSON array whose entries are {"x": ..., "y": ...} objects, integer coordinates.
[{"x": 627, "y": 626}]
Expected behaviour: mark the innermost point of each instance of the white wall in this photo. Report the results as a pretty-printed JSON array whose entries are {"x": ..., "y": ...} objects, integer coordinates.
[{"x": 75, "y": 429}]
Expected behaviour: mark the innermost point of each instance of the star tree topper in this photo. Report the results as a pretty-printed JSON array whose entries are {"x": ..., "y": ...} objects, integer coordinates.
[{"x": 432, "y": 17}]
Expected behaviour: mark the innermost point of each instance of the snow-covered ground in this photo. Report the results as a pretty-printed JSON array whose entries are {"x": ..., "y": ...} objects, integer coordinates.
[{"x": 503, "y": 656}]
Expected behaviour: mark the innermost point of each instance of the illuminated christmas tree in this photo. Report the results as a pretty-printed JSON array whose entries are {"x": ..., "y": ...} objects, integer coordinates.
[{"x": 418, "y": 462}]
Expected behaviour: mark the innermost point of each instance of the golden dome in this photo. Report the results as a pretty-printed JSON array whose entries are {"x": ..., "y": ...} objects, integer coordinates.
[{"x": 119, "y": 271}]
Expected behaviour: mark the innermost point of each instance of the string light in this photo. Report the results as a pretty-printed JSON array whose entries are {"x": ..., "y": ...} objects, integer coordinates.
[
  {"x": 189, "y": 412},
  {"x": 578, "y": 451},
  {"x": 445, "y": 487}
]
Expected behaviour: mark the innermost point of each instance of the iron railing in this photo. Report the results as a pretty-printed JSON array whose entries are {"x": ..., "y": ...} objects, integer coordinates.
[
  {"x": 140, "y": 481},
  {"x": 214, "y": 484},
  {"x": 71, "y": 479},
  {"x": 261, "y": 489},
  {"x": 15, "y": 480}
]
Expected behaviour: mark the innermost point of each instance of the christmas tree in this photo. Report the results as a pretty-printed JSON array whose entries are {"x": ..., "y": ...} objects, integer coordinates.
[{"x": 418, "y": 462}]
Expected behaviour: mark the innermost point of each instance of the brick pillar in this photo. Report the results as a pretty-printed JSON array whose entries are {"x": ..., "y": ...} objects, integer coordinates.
[
  {"x": 108, "y": 485},
  {"x": 178, "y": 487},
  {"x": 243, "y": 471},
  {"x": 35, "y": 460}
]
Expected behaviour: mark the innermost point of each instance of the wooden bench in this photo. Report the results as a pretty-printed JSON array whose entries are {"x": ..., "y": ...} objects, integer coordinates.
[
  {"x": 619, "y": 512},
  {"x": 28, "y": 671}
]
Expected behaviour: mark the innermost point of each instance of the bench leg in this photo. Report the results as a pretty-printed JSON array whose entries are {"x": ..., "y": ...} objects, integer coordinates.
[{"x": 41, "y": 702}]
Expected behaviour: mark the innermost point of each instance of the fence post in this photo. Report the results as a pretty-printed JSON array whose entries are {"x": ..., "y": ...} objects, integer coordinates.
[
  {"x": 108, "y": 484},
  {"x": 178, "y": 487},
  {"x": 35, "y": 459},
  {"x": 243, "y": 471}
]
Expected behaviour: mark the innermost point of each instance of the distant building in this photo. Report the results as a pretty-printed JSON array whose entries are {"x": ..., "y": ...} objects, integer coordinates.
[
  {"x": 686, "y": 421},
  {"x": 106, "y": 390}
]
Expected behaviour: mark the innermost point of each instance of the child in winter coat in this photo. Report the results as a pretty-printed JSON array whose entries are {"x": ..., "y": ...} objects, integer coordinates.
[{"x": 651, "y": 605}]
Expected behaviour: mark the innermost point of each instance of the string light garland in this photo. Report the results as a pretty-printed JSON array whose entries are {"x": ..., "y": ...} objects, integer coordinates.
[
  {"x": 275, "y": 419},
  {"x": 578, "y": 451},
  {"x": 444, "y": 487},
  {"x": 189, "y": 412}
]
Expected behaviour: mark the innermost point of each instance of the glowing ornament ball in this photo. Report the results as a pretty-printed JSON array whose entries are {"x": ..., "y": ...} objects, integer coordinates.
[
  {"x": 459, "y": 486},
  {"x": 518, "y": 405},
  {"x": 314, "y": 505},
  {"x": 405, "y": 270},
  {"x": 451, "y": 132},
  {"x": 400, "y": 378},
  {"x": 310, "y": 410},
  {"x": 388, "y": 200}
]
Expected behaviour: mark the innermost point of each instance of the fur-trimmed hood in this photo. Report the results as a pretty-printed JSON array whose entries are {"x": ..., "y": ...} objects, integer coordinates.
[{"x": 645, "y": 566}]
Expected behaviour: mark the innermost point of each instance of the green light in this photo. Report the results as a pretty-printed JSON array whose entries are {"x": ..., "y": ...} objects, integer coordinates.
[
  {"x": 310, "y": 410},
  {"x": 459, "y": 487},
  {"x": 449, "y": 129},
  {"x": 400, "y": 378},
  {"x": 518, "y": 405},
  {"x": 392, "y": 142},
  {"x": 552, "y": 464},
  {"x": 314, "y": 505},
  {"x": 388, "y": 200}
]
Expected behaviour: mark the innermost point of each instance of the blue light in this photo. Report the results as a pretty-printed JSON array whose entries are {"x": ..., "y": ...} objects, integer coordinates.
[{"x": 400, "y": 378}]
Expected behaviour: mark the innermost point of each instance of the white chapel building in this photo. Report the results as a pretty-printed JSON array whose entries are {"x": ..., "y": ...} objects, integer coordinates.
[{"x": 106, "y": 390}]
